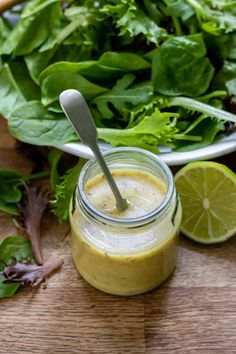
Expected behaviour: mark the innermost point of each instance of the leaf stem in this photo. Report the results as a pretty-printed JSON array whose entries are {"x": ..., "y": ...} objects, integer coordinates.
[
  {"x": 188, "y": 137},
  {"x": 38, "y": 175},
  {"x": 178, "y": 29}
]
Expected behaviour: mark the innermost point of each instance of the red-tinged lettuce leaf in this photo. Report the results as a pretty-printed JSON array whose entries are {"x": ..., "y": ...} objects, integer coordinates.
[
  {"x": 27, "y": 273},
  {"x": 32, "y": 209}
]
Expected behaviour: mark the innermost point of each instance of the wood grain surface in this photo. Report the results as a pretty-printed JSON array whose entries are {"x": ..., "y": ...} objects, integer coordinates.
[
  {"x": 192, "y": 312},
  {"x": 8, "y": 4}
]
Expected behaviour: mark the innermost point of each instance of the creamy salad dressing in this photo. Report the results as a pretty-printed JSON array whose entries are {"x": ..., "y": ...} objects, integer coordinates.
[{"x": 143, "y": 191}]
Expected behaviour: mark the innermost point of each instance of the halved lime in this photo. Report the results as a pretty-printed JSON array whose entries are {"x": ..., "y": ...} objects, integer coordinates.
[{"x": 208, "y": 196}]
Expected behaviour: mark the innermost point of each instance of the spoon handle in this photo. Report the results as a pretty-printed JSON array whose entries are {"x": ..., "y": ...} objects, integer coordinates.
[{"x": 77, "y": 111}]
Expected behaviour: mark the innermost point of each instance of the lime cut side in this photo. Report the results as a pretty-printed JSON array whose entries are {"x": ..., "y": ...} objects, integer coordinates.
[{"x": 208, "y": 196}]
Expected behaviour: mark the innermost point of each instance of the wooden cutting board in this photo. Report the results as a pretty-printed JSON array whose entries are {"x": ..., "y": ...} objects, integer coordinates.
[{"x": 193, "y": 312}]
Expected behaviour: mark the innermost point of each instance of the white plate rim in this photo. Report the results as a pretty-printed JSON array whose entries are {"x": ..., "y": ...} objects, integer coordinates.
[{"x": 221, "y": 147}]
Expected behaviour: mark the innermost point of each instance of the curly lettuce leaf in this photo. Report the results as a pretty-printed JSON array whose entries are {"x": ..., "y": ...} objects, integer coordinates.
[
  {"x": 215, "y": 17},
  {"x": 131, "y": 20},
  {"x": 147, "y": 134},
  {"x": 64, "y": 190}
]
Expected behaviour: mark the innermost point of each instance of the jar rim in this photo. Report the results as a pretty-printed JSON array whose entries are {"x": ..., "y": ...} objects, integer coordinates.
[{"x": 132, "y": 222}]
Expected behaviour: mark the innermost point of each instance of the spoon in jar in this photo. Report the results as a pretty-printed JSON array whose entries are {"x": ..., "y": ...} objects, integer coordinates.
[{"x": 78, "y": 113}]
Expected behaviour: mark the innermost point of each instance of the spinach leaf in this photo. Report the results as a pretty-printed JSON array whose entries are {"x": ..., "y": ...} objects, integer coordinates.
[
  {"x": 13, "y": 246},
  {"x": 33, "y": 27},
  {"x": 59, "y": 36},
  {"x": 10, "y": 94},
  {"x": 180, "y": 67},
  {"x": 27, "y": 87},
  {"x": 90, "y": 70},
  {"x": 36, "y": 62},
  {"x": 4, "y": 30},
  {"x": 108, "y": 67},
  {"x": 40, "y": 126},
  {"x": 126, "y": 62},
  {"x": 68, "y": 80},
  {"x": 121, "y": 95}
]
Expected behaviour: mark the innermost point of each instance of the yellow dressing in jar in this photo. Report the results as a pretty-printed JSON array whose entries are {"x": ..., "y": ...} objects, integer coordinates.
[
  {"x": 130, "y": 252},
  {"x": 143, "y": 191}
]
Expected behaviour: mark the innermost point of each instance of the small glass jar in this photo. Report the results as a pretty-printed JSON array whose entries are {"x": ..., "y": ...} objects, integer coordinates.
[{"x": 125, "y": 256}]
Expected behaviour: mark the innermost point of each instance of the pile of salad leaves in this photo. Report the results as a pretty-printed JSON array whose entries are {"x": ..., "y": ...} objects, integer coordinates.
[{"x": 153, "y": 72}]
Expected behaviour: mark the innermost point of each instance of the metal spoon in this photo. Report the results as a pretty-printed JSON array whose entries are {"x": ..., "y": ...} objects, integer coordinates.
[{"x": 78, "y": 113}]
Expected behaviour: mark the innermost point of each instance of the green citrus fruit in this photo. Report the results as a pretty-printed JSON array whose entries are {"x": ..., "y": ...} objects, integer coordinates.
[{"x": 208, "y": 196}]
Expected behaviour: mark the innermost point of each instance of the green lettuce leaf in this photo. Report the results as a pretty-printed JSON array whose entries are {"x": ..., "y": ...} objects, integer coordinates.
[{"x": 121, "y": 96}]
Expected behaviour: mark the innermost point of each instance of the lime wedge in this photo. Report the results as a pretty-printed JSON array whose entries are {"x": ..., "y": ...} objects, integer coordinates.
[{"x": 208, "y": 196}]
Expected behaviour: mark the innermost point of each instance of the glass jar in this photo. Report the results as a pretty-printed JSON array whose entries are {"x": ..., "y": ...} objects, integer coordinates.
[{"x": 125, "y": 256}]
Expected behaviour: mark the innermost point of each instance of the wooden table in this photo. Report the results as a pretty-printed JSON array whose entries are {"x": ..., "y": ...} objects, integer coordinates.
[{"x": 193, "y": 312}]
